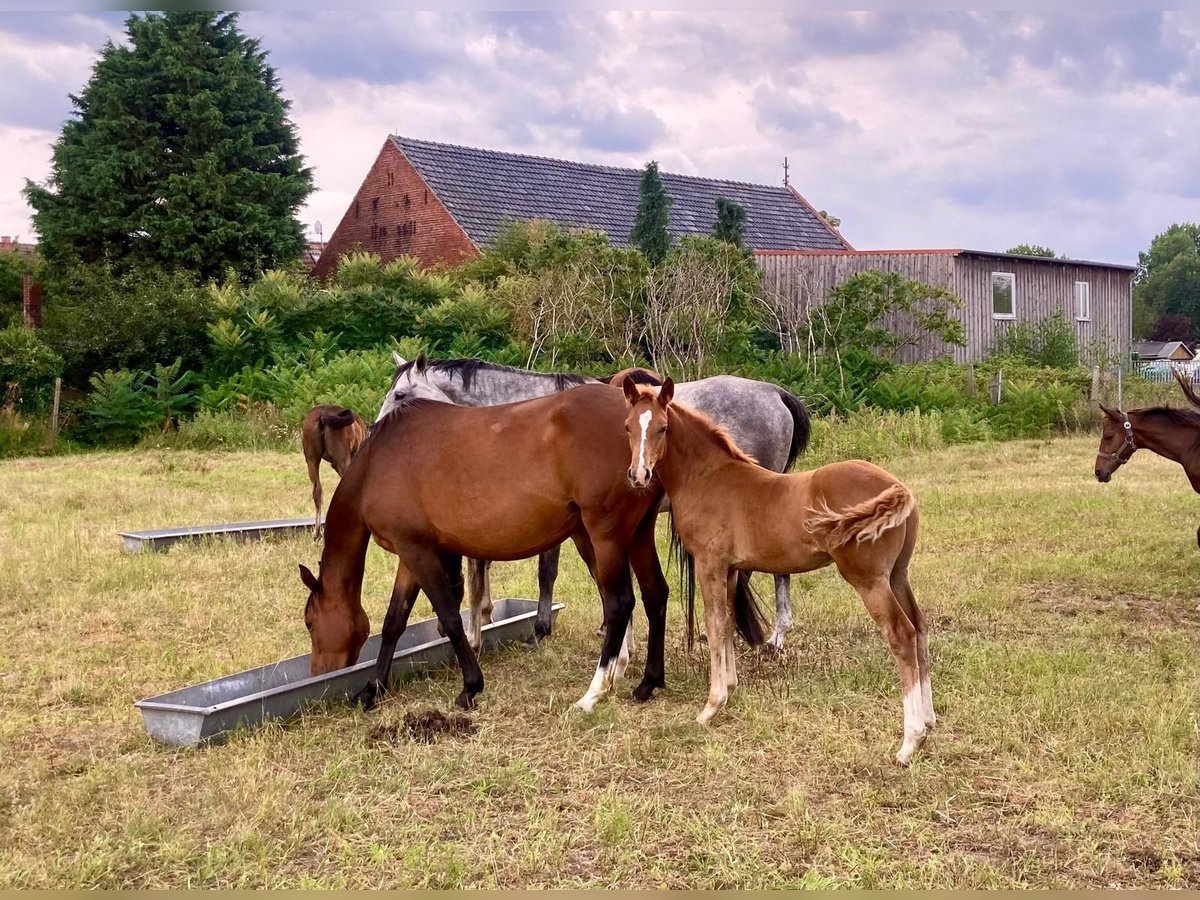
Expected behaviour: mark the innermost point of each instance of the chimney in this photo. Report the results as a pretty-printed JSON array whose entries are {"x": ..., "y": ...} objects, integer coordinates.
[{"x": 31, "y": 304}]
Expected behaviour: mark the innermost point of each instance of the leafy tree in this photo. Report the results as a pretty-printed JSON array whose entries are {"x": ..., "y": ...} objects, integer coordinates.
[
  {"x": 1032, "y": 250},
  {"x": 882, "y": 312},
  {"x": 653, "y": 215},
  {"x": 179, "y": 154},
  {"x": 1173, "y": 328},
  {"x": 829, "y": 217},
  {"x": 1168, "y": 278},
  {"x": 731, "y": 222}
]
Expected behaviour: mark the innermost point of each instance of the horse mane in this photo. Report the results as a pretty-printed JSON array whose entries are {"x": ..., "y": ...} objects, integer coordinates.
[
  {"x": 1172, "y": 415},
  {"x": 397, "y": 412},
  {"x": 636, "y": 376},
  {"x": 467, "y": 369},
  {"x": 720, "y": 434}
]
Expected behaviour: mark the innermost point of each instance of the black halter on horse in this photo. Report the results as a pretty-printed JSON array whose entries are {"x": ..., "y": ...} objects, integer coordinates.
[{"x": 1117, "y": 457}]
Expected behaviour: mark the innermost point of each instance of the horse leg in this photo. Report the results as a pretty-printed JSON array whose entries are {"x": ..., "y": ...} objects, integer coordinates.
[
  {"x": 783, "y": 611},
  {"x": 444, "y": 589},
  {"x": 899, "y": 633},
  {"x": 404, "y": 595},
  {"x": 547, "y": 575},
  {"x": 314, "y": 475},
  {"x": 612, "y": 574},
  {"x": 902, "y": 588},
  {"x": 479, "y": 597},
  {"x": 643, "y": 559},
  {"x": 716, "y": 587}
]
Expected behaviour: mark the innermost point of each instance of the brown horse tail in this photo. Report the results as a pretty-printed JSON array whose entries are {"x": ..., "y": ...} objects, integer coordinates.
[
  {"x": 1188, "y": 390},
  {"x": 747, "y": 613},
  {"x": 867, "y": 520},
  {"x": 340, "y": 419}
]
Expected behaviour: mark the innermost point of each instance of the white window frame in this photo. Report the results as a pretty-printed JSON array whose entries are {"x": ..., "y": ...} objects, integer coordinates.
[
  {"x": 1012, "y": 289},
  {"x": 1087, "y": 301}
]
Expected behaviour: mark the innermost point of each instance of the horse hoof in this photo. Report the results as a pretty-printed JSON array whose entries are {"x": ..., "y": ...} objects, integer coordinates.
[
  {"x": 368, "y": 697},
  {"x": 540, "y": 630},
  {"x": 465, "y": 701},
  {"x": 644, "y": 691}
]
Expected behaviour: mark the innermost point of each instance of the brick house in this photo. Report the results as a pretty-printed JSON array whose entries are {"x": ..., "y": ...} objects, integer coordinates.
[{"x": 443, "y": 204}]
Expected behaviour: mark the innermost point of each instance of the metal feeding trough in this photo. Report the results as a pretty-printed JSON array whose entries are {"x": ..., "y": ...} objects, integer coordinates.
[
  {"x": 162, "y": 538},
  {"x": 207, "y": 711}
]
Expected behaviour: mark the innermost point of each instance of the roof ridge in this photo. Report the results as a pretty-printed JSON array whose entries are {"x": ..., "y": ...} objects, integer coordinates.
[{"x": 589, "y": 165}]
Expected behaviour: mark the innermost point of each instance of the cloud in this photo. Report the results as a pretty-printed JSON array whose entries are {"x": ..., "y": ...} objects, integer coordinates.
[{"x": 917, "y": 129}]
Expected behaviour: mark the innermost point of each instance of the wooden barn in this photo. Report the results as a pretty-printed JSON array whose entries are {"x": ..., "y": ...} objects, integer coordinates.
[
  {"x": 996, "y": 289},
  {"x": 443, "y": 204}
]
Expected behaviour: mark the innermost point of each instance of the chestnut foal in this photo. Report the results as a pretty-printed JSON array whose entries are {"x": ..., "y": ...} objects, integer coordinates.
[
  {"x": 732, "y": 515},
  {"x": 333, "y": 434},
  {"x": 1169, "y": 432}
]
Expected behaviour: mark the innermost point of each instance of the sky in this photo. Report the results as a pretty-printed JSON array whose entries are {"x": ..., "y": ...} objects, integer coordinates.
[{"x": 1078, "y": 131}]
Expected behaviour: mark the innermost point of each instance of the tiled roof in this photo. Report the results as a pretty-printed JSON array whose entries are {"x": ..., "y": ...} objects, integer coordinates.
[{"x": 482, "y": 188}]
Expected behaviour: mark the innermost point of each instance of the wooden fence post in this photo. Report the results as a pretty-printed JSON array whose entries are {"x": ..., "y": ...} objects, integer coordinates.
[
  {"x": 971, "y": 380},
  {"x": 54, "y": 411},
  {"x": 997, "y": 391},
  {"x": 1120, "y": 387},
  {"x": 1094, "y": 400}
]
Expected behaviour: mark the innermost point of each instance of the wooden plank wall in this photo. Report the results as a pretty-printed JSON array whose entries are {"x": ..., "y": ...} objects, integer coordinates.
[{"x": 797, "y": 282}]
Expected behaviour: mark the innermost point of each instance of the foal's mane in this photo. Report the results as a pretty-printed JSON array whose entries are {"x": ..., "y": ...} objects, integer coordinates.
[
  {"x": 467, "y": 369},
  {"x": 719, "y": 433},
  {"x": 1171, "y": 415}
]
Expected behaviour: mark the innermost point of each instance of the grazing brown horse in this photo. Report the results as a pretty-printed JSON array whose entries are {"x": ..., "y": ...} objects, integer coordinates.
[
  {"x": 333, "y": 434},
  {"x": 1169, "y": 432},
  {"x": 435, "y": 482},
  {"x": 733, "y": 515}
]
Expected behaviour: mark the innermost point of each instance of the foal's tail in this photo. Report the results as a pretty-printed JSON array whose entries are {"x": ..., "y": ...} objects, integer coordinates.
[
  {"x": 867, "y": 520},
  {"x": 1188, "y": 390},
  {"x": 747, "y": 614}
]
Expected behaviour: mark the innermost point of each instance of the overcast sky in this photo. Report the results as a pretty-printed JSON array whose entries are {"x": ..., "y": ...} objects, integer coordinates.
[{"x": 1078, "y": 131}]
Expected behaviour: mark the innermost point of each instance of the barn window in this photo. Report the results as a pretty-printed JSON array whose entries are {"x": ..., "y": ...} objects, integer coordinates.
[
  {"x": 1004, "y": 301},
  {"x": 1083, "y": 301}
]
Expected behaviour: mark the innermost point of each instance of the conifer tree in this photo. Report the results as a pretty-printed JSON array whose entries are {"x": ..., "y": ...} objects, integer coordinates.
[{"x": 653, "y": 215}]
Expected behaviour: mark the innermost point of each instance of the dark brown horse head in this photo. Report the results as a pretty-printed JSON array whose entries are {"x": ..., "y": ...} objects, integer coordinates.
[
  {"x": 338, "y": 628},
  {"x": 1116, "y": 443},
  {"x": 646, "y": 426}
]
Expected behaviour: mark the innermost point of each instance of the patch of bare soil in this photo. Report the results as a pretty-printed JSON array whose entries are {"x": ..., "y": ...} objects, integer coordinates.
[
  {"x": 1066, "y": 601},
  {"x": 425, "y": 727}
]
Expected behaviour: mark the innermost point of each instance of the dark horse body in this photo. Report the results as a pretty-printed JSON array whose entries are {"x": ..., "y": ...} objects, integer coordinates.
[
  {"x": 436, "y": 482},
  {"x": 332, "y": 434},
  {"x": 1171, "y": 433}
]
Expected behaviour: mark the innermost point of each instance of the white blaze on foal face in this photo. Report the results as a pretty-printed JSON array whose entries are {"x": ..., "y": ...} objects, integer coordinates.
[{"x": 644, "y": 422}]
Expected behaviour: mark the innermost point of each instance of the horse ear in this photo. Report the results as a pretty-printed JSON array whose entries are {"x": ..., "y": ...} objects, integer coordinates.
[
  {"x": 631, "y": 391},
  {"x": 398, "y": 359},
  {"x": 666, "y": 392},
  {"x": 1113, "y": 414},
  {"x": 310, "y": 580}
]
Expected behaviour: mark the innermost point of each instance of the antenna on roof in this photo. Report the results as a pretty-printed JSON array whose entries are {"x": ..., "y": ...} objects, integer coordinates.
[{"x": 785, "y": 172}]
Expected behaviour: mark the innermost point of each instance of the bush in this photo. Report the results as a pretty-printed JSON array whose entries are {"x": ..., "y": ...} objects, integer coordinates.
[
  {"x": 23, "y": 436},
  {"x": 257, "y": 427},
  {"x": 124, "y": 406},
  {"x": 98, "y": 320},
  {"x": 1049, "y": 342},
  {"x": 27, "y": 369}
]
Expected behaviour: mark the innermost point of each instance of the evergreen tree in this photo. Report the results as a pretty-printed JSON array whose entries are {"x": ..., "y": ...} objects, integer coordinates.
[
  {"x": 731, "y": 222},
  {"x": 653, "y": 214},
  {"x": 179, "y": 153}
]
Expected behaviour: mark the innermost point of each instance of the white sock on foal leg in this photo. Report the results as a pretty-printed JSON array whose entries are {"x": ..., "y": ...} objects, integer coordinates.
[{"x": 914, "y": 723}]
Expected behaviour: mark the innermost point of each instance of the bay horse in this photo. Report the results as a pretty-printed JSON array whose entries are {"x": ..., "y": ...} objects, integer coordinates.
[
  {"x": 1171, "y": 433},
  {"x": 435, "y": 482},
  {"x": 332, "y": 434},
  {"x": 765, "y": 420},
  {"x": 734, "y": 516}
]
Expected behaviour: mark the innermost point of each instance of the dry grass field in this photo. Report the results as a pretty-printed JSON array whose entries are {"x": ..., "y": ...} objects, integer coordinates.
[{"x": 1064, "y": 642}]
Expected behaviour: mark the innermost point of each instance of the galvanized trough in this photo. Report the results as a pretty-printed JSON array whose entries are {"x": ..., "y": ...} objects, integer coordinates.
[
  {"x": 162, "y": 538},
  {"x": 207, "y": 711}
]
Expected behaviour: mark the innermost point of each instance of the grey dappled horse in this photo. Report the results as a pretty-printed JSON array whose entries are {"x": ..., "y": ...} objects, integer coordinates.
[{"x": 764, "y": 420}]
